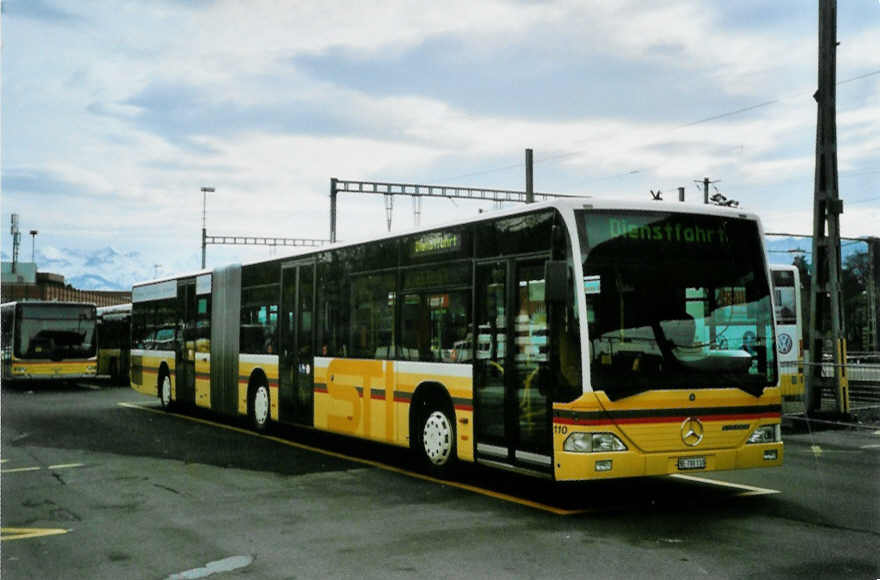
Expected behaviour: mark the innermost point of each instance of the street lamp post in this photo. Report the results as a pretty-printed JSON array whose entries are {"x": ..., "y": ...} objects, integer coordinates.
[
  {"x": 33, "y": 243},
  {"x": 205, "y": 192}
]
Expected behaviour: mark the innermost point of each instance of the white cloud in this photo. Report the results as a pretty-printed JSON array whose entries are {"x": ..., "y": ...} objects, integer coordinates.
[
  {"x": 268, "y": 135},
  {"x": 857, "y": 53}
]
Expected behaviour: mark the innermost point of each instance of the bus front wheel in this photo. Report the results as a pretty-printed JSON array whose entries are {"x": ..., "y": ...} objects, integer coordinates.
[{"x": 434, "y": 440}]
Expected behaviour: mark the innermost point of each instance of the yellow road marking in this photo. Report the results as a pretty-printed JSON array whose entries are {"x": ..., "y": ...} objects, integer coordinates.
[
  {"x": 37, "y": 468},
  {"x": 749, "y": 490},
  {"x": 818, "y": 450},
  {"x": 24, "y": 533},
  {"x": 20, "y": 469}
]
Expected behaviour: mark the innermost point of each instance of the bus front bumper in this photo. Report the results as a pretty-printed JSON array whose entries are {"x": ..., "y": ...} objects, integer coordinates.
[{"x": 584, "y": 466}]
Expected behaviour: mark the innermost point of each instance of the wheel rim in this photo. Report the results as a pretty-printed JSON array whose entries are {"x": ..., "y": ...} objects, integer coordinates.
[
  {"x": 437, "y": 438},
  {"x": 166, "y": 391},
  {"x": 261, "y": 405}
]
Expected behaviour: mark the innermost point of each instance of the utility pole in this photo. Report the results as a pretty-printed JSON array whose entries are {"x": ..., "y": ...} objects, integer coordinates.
[
  {"x": 530, "y": 188},
  {"x": 205, "y": 192},
  {"x": 706, "y": 183},
  {"x": 826, "y": 304},
  {"x": 873, "y": 291},
  {"x": 33, "y": 244},
  {"x": 332, "y": 210}
]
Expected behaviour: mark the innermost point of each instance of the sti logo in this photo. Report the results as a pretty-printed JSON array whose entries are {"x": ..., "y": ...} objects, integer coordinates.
[{"x": 784, "y": 343}]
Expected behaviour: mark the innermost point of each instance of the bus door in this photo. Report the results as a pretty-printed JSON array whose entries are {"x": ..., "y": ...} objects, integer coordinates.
[
  {"x": 512, "y": 412},
  {"x": 185, "y": 370},
  {"x": 297, "y": 358}
]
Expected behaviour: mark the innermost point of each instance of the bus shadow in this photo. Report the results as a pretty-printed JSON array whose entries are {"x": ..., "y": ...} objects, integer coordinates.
[{"x": 635, "y": 495}]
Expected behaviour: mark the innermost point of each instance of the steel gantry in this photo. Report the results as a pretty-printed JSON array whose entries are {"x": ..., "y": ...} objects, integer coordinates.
[
  {"x": 260, "y": 241},
  {"x": 418, "y": 192}
]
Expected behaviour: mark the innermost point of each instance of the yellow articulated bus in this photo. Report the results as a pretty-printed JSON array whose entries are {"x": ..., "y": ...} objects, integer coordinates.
[
  {"x": 114, "y": 342},
  {"x": 575, "y": 339},
  {"x": 48, "y": 341}
]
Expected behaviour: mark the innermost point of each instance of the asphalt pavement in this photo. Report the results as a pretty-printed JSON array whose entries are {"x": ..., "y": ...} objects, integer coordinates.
[{"x": 98, "y": 482}]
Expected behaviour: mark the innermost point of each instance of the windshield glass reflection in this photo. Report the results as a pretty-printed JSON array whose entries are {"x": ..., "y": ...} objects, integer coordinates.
[{"x": 676, "y": 301}]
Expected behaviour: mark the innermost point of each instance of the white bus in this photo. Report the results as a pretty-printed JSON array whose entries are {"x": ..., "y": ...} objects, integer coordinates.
[{"x": 788, "y": 313}]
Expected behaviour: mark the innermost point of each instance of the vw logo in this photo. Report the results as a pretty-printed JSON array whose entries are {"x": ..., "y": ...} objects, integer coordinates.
[
  {"x": 784, "y": 343},
  {"x": 692, "y": 431}
]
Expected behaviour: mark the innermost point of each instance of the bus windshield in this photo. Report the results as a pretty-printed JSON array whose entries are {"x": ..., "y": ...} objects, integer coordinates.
[
  {"x": 676, "y": 301},
  {"x": 55, "y": 332}
]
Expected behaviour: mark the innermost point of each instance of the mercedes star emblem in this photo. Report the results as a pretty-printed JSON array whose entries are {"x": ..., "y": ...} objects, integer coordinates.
[{"x": 692, "y": 431}]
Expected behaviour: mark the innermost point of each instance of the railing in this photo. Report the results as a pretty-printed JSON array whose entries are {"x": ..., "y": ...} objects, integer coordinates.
[{"x": 862, "y": 371}]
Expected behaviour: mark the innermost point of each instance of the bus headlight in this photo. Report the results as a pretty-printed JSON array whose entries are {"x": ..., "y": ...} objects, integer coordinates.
[
  {"x": 766, "y": 434},
  {"x": 19, "y": 370},
  {"x": 593, "y": 443}
]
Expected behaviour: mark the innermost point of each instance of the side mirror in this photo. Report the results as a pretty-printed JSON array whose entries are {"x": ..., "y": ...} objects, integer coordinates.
[{"x": 555, "y": 281}]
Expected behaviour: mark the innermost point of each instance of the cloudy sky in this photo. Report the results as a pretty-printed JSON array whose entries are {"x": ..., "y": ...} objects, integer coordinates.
[{"x": 116, "y": 113}]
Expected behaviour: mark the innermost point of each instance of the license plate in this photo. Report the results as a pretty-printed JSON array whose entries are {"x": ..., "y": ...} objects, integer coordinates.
[{"x": 691, "y": 463}]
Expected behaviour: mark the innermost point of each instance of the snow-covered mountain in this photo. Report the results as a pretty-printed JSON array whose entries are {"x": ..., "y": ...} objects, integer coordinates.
[{"x": 101, "y": 269}]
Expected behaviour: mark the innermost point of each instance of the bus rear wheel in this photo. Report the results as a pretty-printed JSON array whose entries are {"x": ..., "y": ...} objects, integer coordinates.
[
  {"x": 165, "y": 392},
  {"x": 434, "y": 440},
  {"x": 258, "y": 408},
  {"x": 114, "y": 372}
]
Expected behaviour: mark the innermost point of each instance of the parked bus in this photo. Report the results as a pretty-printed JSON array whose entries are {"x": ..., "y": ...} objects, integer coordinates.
[
  {"x": 48, "y": 340},
  {"x": 573, "y": 339},
  {"x": 786, "y": 281},
  {"x": 114, "y": 342}
]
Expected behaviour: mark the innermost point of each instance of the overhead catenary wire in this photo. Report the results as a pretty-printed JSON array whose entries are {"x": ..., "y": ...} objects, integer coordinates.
[{"x": 567, "y": 154}]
